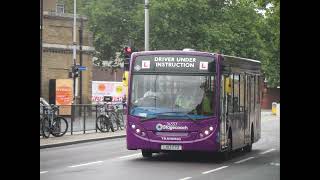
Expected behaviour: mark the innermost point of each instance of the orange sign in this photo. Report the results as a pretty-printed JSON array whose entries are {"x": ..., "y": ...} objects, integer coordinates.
[
  {"x": 102, "y": 87},
  {"x": 64, "y": 95}
]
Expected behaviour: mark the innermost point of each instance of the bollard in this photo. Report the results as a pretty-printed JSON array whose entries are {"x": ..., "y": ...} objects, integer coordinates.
[
  {"x": 96, "y": 117},
  {"x": 278, "y": 110},
  {"x": 274, "y": 108},
  {"x": 72, "y": 117},
  {"x": 84, "y": 119}
]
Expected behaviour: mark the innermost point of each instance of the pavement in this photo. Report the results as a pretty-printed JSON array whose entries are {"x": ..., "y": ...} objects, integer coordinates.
[
  {"x": 69, "y": 139},
  {"x": 92, "y": 135}
]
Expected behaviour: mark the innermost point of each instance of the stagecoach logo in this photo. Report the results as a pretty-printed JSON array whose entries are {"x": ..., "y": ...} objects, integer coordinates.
[
  {"x": 160, "y": 127},
  {"x": 137, "y": 68}
]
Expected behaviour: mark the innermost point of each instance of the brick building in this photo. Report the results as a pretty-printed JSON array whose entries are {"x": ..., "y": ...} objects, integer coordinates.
[
  {"x": 270, "y": 95},
  {"x": 57, "y": 54}
]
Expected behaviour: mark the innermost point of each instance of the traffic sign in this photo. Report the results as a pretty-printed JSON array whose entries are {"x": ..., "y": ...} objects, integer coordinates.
[{"x": 82, "y": 68}]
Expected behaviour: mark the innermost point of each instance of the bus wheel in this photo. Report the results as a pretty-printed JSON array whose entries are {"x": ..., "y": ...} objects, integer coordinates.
[
  {"x": 146, "y": 154},
  {"x": 248, "y": 148},
  {"x": 226, "y": 155}
]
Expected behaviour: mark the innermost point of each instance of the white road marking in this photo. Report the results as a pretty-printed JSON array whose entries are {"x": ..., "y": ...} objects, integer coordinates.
[
  {"x": 42, "y": 172},
  {"x": 85, "y": 164},
  {"x": 243, "y": 160},
  {"x": 206, "y": 172},
  {"x": 130, "y": 155},
  {"x": 268, "y": 151},
  {"x": 185, "y": 178}
]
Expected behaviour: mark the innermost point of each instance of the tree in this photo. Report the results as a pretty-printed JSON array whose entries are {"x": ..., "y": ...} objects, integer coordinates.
[
  {"x": 233, "y": 27},
  {"x": 270, "y": 33},
  {"x": 113, "y": 23}
]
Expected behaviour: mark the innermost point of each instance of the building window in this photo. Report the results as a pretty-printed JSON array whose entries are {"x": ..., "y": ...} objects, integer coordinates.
[{"x": 60, "y": 8}]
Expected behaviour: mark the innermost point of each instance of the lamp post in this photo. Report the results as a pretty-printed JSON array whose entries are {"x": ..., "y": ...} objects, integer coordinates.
[
  {"x": 41, "y": 27},
  {"x": 74, "y": 49},
  {"x": 146, "y": 25},
  {"x": 81, "y": 59}
]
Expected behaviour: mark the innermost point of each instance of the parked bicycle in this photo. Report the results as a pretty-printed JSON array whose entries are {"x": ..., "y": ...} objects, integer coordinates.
[
  {"x": 103, "y": 122},
  {"x": 110, "y": 118},
  {"x": 118, "y": 117},
  {"x": 50, "y": 123}
]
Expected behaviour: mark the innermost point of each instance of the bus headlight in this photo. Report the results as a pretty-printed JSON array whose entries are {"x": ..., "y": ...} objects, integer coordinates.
[
  {"x": 138, "y": 131},
  {"x": 206, "y": 132}
]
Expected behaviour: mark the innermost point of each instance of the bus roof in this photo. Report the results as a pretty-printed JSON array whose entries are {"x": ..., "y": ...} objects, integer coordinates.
[
  {"x": 172, "y": 52},
  {"x": 240, "y": 58},
  {"x": 233, "y": 64},
  {"x": 229, "y": 63},
  {"x": 191, "y": 52}
]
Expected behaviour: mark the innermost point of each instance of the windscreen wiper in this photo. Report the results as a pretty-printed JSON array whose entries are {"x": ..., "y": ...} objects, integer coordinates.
[{"x": 145, "y": 119}]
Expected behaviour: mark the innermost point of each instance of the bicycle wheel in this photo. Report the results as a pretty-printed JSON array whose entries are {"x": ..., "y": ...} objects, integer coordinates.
[
  {"x": 113, "y": 121},
  {"x": 102, "y": 123},
  {"x": 59, "y": 126},
  {"x": 40, "y": 125},
  {"x": 45, "y": 127},
  {"x": 120, "y": 123}
]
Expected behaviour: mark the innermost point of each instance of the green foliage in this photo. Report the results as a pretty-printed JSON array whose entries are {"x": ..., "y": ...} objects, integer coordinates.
[
  {"x": 231, "y": 27},
  {"x": 270, "y": 34}
]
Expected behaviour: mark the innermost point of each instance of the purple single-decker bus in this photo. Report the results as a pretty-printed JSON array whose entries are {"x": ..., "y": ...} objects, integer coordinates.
[{"x": 193, "y": 101}]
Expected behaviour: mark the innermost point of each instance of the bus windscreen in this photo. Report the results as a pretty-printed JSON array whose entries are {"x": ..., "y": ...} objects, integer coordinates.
[{"x": 156, "y": 96}]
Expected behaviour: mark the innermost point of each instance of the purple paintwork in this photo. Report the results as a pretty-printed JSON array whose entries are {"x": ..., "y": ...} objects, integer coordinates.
[{"x": 189, "y": 138}]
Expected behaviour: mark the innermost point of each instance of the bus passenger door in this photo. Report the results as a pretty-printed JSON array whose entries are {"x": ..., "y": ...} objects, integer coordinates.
[
  {"x": 247, "y": 109},
  {"x": 252, "y": 105},
  {"x": 258, "y": 108},
  {"x": 242, "y": 109},
  {"x": 223, "y": 112}
]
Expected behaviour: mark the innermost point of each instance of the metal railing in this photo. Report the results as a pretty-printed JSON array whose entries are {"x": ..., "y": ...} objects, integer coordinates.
[{"x": 83, "y": 117}]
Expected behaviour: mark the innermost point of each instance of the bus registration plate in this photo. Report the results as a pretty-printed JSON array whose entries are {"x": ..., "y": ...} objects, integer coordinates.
[{"x": 171, "y": 147}]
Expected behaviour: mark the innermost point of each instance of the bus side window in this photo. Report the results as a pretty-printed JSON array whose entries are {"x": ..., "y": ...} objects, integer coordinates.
[
  {"x": 230, "y": 93},
  {"x": 258, "y": 90},
  {"x": 242, "y": 92},
  {"x": 236, "y": 93}
]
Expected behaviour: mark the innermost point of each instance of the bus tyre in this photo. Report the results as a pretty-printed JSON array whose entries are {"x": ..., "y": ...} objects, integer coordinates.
[
  {"x": 146, "y": 154},
  {"x": 248, "y": 148},
  {"x": 225, "y": 155}
]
